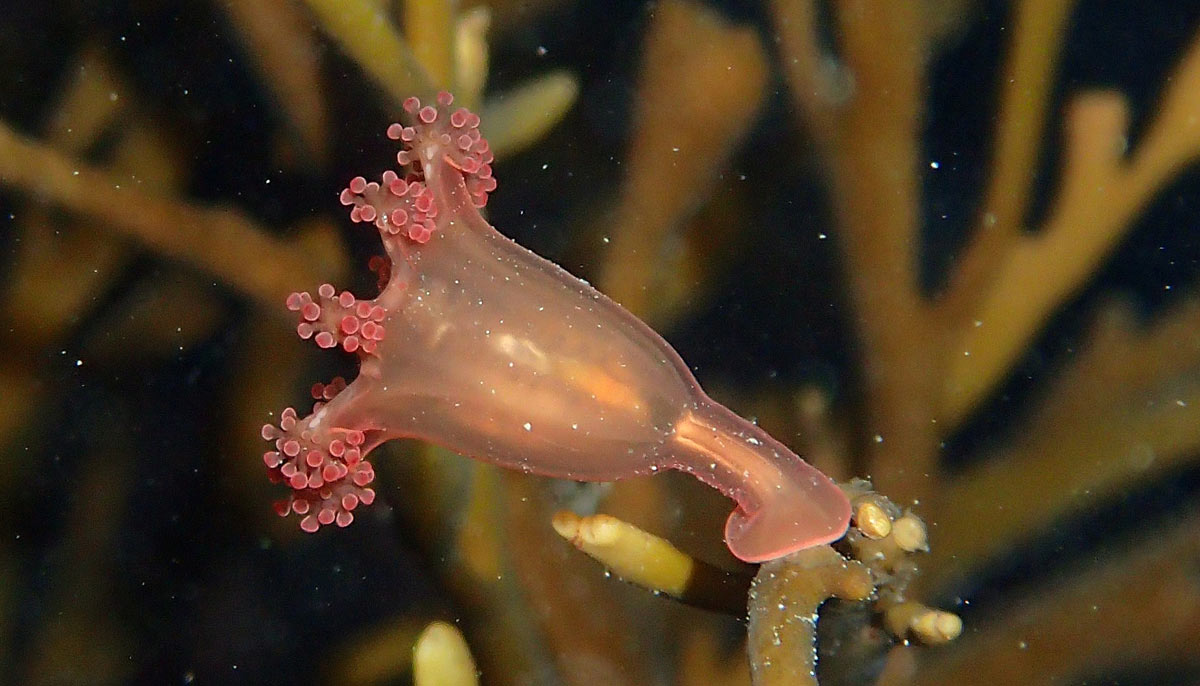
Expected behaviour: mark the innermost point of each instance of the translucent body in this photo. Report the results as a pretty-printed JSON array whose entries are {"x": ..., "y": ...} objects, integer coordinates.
[{"x": 503, "y": 356}]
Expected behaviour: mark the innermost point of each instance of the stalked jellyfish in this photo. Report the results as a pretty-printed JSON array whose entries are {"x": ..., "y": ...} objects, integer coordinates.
[{"x": 479, "y": 345}]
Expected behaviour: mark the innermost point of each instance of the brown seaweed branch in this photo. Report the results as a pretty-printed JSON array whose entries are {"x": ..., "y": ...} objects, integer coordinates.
[{"x": 221, "y": 242}]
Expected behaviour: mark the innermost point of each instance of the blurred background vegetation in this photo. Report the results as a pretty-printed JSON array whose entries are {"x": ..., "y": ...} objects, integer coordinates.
[{"x": 949, "y": 245}]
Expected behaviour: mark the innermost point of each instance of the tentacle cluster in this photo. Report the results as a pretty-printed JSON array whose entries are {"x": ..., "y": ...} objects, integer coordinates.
[
  {"x": 455, "y": 137},
  {"x": 332, "y": 319},
  {"x": 328, "y": 479},
  {"x": 396, "y": 206},
  {"x": 403, "y": 205}
]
